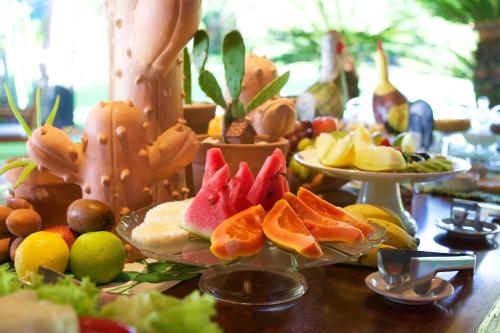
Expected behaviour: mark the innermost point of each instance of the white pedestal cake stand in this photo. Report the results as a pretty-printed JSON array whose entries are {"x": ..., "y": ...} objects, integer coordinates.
[{"x": 382, "y": 188}]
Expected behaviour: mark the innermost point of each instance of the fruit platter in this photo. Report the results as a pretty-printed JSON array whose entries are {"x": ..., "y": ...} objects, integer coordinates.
[
  {"x": 241, "y": 224},
  {"x": 380, "y": 167}
]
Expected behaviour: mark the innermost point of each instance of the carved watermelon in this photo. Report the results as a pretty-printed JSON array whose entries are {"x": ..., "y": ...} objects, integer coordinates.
[
  {"x": 210, "y": 206},
  {"x": 214, "y": 161},
  {"x": 270, "y": 184},
  {"x": 239, "y": 186}
]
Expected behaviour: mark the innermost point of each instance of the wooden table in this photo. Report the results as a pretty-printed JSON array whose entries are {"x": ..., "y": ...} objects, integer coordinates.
[{"x": 339, "y": 301}]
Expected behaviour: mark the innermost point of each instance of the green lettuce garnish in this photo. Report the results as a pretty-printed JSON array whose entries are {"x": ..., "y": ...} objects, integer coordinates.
[
  {"x": 8, "y": 280},
  {"x": 154, "y": 312},
  {"x": 84, "y": 298}
]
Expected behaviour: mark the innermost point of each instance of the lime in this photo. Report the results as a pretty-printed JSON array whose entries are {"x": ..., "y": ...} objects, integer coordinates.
[
  {"x": 99, "y": 255},
  {"x": 41, "y": 248}
]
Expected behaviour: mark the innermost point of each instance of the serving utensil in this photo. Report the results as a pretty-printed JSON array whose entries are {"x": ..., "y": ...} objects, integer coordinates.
[{"x": 409, "y": 269}]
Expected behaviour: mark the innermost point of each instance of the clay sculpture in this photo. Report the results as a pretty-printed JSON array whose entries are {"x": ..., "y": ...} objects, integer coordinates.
[
  {"x": 146, "y": 52},
  {"x": 115, "y": 163}
]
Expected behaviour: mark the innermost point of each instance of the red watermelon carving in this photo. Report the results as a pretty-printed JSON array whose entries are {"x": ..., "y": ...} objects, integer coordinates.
[
  {"x": 270, "y": 185},
  {"x": 239, "y": 186},
  {"x": 210, "y": 206}
]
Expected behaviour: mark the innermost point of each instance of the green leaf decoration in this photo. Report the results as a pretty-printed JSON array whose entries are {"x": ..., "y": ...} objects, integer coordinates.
[
  {"x": 161, "y": 271},
  {"x": 200, "y": 50},
  {"x": 53, "y": 112},
  {"x": 16, "y": 112},
  {"x": 270, "y": 90},
  {"x": 237, "y": 110},
  {"x": 211, "y": 88},
  {"x": 38, "y": 108},
  {"x": 28, "y": 169},
  {"x": 233, "y": 57},
  {"x": 12, "y": 165},
  {"x": 187, "y": 77}
]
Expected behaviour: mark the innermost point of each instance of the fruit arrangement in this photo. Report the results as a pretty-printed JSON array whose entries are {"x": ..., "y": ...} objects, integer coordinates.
[
  {"x": 377, "y": 154},
  {"x": 65, "y": 306},
  {"x": 85, "y": 246},
  {"x": 238, "y": 214}
]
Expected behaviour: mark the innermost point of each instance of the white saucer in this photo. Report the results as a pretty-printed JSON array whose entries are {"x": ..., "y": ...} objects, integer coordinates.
[
  {"x": 467, "y": 231},
  {"x": 440, "y": 289}
]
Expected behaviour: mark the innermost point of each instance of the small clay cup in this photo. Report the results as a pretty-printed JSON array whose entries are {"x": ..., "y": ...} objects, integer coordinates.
[
  {"x": 254, "y": 154},
  {"x": 198, "y": 115}
]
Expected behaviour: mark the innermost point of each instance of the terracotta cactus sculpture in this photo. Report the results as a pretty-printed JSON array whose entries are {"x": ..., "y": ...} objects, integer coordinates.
[
  {"x": 276, "y": 117},
  {"x": 116, "y": 162},
  {"x": 259, "y": 72},
  {"x": 148, "y": 38}
]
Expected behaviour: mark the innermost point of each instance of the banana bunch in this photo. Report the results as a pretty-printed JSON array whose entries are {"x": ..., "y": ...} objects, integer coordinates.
[{"x": 395, "y": 236}]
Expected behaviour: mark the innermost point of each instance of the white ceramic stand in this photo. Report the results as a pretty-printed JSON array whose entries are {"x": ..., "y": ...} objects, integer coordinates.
[{"x": 387, "y": 195}]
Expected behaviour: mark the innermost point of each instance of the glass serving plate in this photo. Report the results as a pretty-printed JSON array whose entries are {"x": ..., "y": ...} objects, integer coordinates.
[
  {"x": 268, "y": 278},
  {"x": 382, "y": 188}
]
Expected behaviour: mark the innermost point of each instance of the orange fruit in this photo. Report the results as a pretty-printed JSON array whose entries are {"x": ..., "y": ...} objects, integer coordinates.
[
  {"x": 240, "y": 235},
  {"x": 285, "y": 229}
]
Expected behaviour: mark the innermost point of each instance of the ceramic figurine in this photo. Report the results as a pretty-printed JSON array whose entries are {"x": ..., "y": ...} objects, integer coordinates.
[
  {"x": 116, "y": 162},
  {"x": 146, "y": 54},
  {"x": 389, "y": 104},
  {"x": 327, "y": 96}
]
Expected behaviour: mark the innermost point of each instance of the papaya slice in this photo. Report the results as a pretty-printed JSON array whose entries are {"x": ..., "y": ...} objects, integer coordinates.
[
  {"x": 326, "y": 209},
  {"x": 286, "y": 230},
  {"x": 240, "y": 235},
  {"x": 322, "y": 228}
]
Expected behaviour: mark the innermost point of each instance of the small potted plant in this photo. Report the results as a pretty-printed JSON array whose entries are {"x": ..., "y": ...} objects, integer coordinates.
[
  {"x": 49, "y": 194},
  {"x": 197, "y": 114},
  {"x": 243, "y": 136}
]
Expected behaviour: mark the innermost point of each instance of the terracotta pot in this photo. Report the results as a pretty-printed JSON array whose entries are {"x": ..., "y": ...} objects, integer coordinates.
[
  {"x": 198, "y": 115},
  {"x": 253, "y": 154},
  {"x": 49, "y": 194}
]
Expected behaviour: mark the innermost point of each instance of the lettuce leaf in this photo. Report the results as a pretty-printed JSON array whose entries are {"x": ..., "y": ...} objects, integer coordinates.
[
  {"x": 84, "y": 298},
  {"x": 8, "y": 280},
  {"x": 154, "y": 312}
]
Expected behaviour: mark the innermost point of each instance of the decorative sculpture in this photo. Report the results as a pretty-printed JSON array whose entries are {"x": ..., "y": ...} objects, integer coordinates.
[
  {"x": 115, "y": 163},
  {"x": 148, "y": 38}
]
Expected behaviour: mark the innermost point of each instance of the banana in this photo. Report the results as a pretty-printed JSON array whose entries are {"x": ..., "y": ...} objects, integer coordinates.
[
  {"x": 371, "y": 211},
  {"x": 395, "y": 236},
  {"x": 370, "y": 259}
]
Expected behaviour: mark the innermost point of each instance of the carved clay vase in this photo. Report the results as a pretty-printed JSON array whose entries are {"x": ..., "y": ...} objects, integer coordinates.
[
  {"x": 49, "y": 194},
  {"x": 198, "y": 115},
  {"x": 253, "y": 154}
]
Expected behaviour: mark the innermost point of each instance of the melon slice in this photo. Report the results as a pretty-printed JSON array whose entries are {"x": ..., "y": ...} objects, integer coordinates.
[
  {"x": 210, "y": 206},
  {"x": 326, "y": 209},
  {"x": 240, "y": 235},
  {"x": 285, "y": 229},
  {"x": 270, "y": 184},
  {"x": 322, "y": 228},
  {"x": 214, "y": 161},
  {"x": 239, "y": 186}
]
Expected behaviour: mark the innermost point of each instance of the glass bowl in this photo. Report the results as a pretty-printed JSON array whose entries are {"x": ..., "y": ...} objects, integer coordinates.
[{"x": 270, "y": 277}]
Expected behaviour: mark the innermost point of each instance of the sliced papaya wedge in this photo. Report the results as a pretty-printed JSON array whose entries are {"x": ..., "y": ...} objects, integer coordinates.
[
  {"x": 240, "y": 235},
  {"x": 323, "y": 229},
  {"x": 286, "y": 230},
  {"x": 326, "y": 209}
]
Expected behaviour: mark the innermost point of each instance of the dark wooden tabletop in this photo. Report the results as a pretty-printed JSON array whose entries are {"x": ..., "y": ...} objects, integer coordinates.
[{"x": 339, "y": 301}]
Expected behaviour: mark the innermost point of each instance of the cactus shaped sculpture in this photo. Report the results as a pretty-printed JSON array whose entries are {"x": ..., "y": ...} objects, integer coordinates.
[
  {"x": 259, "y": 72},
  {"x": 116, "y": 162},
  {"x": 146, "y": 55}
]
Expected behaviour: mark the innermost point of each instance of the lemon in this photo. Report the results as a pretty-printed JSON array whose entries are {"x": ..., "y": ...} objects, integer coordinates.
[
  {"x": 41, "y": 248},
  {"x": 99, "y": 255}
]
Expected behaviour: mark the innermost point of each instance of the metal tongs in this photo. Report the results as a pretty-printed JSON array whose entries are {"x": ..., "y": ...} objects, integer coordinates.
[
  {"x": 477, "y": 212},
  {"x": 407, "y": 269}
]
